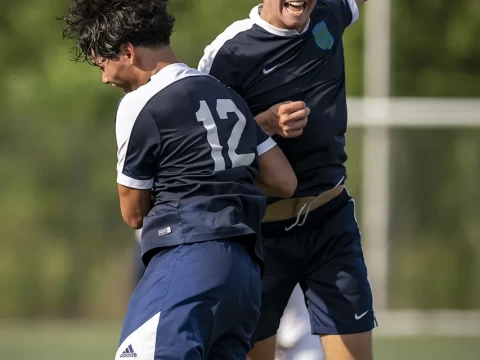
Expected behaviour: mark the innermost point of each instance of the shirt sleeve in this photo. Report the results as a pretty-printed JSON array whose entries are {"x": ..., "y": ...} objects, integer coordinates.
[
  {"x": 345, "y": 10},
  {"x": 137, "y": 140},
  {"x": 264, "y": 142}
]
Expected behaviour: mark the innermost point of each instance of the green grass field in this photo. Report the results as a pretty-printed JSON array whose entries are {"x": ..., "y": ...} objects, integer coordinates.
[{"x": 97, "y": 341}]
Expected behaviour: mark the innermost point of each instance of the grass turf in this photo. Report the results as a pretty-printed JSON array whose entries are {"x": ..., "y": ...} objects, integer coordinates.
[{"x": 97, "y": 341}]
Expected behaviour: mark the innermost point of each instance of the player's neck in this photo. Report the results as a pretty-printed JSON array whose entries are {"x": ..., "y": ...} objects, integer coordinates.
[
  {"x": 164, "y": 57},
  {"x": 150, "y": 62}
]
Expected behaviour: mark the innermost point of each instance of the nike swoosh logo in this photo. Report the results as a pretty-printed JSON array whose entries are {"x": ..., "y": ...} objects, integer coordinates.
[
  {"x": 265, "y": 71},
  {"x": 358, "y": 317},
  {"x": 268, "y": 71}
]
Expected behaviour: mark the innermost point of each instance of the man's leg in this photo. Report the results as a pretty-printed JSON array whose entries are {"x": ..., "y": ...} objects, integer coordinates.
[
  {"x": 139, "y": 334},
  {"x": 263, "y": 350},
  {"x": 234, "y": 337},
  {"x": 339, "y": 297},
  {"x": 309, "y": 348},
  {"x": 184, "y": 302},
  {"x": 348, "y": 347}
]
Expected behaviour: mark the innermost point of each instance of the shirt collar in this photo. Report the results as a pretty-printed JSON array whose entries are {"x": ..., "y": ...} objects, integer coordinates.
[{"x": 171, "y": 69}]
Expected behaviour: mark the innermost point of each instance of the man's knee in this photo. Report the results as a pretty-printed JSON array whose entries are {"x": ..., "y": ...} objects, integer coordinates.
[
  {"x": 348, "y": 347},
  {"x": 263, "y": 350}
]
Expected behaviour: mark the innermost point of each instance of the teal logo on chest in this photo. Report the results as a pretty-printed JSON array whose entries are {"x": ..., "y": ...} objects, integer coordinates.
[{"x": 323, "y": 38}]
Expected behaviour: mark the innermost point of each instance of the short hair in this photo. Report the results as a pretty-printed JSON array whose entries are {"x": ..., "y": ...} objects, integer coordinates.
[{"x": 102, "y": 26}]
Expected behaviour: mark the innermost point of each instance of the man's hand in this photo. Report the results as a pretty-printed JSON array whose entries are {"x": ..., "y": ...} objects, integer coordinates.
[{"x": 285, "y": 119}]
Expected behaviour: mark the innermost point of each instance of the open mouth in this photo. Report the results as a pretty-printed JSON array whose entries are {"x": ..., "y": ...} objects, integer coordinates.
[{"x": 295, "y": 7}]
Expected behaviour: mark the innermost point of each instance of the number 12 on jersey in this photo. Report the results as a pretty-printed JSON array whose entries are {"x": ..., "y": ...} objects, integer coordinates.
[{"x": 204, "y": 115}]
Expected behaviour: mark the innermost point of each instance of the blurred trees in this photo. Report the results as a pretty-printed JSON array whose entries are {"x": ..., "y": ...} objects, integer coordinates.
[
  {"x": 436, "y": 203},
  {"x": 64, "y": 250}
]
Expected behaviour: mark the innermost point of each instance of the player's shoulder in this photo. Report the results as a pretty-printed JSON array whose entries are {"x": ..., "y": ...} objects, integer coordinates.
[
  {"x": 230, "y": 33},
  {"x": 344, "y": 10},
  {"x": 224, "y": 41},
  {"x": 132, "y": 104},
  {"x": 325, "y": 8},
  {"x": 319, "y": 6}
]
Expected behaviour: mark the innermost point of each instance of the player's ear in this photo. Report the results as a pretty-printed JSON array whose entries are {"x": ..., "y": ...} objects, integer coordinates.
[{"x": 128, "y": 51}]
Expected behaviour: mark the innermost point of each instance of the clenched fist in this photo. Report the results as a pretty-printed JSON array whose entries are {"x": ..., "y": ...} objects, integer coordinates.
[{"x": 285, "y": 119}]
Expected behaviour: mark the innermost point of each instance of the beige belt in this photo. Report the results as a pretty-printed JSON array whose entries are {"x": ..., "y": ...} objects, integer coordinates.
[{"x": 290, "y": 208}]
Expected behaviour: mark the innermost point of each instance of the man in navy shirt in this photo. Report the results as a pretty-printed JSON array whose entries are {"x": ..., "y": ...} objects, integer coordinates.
[
  {"x": 192, "y": 145},
  {"x": 287, "y": 61}
]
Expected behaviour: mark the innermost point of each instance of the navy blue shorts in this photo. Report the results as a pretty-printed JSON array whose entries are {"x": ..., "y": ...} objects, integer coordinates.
[
  {"x": 325, "y": 256},
  {"x": 195, "y": 302}
]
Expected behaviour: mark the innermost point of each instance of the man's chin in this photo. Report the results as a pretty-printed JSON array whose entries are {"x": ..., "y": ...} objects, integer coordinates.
[{"x": 296, "y": 23}]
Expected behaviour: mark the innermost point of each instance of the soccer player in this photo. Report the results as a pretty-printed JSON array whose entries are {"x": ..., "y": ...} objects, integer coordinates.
[
  {"x": 196, "y": 144},
  {"x": 287, "y": 61}
]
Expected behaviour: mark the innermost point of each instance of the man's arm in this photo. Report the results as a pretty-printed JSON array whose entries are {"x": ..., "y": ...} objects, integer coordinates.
[
  {"x": 138, "y": 141},
  {"x": 360, "y": 2},
  {"x": 275, "y": 175},
  {"x": 134, "y": 205}
]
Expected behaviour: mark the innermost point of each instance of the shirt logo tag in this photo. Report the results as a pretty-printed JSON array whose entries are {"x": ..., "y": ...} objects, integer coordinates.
[
  {"x": 323, "y": 38},
  {"x": 163, "y": 232}
]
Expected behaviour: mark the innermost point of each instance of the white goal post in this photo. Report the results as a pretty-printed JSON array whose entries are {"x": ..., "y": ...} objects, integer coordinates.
[
  {"x": 410, "y": 112},
  {"x": 377, "y": 113}
]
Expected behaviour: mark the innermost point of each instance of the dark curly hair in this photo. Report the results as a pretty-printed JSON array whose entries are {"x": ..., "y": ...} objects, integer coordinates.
[{"x": 102, "y": 26}]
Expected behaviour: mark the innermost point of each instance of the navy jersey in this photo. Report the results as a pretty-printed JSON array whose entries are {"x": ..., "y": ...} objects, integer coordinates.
[
  {"x": 267, "y": 66},
  {"x": 195, "y": 143}
]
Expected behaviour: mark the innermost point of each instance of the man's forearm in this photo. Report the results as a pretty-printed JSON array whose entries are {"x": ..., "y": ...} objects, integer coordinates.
[{"x": 135, "y": 204}]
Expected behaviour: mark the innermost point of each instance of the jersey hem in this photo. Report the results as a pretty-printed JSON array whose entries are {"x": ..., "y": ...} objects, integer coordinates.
[
  {"x": 201, "y": 238},
  {"x": 148, "y": 246}
]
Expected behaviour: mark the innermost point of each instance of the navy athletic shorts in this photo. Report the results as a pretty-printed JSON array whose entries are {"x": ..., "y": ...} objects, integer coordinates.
[
  {"x": 195, "y": 302},
  {"x": 325, "y": 256}
]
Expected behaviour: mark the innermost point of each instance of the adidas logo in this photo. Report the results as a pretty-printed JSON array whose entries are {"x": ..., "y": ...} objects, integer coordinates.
[{"x": 128, "y": 352}]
